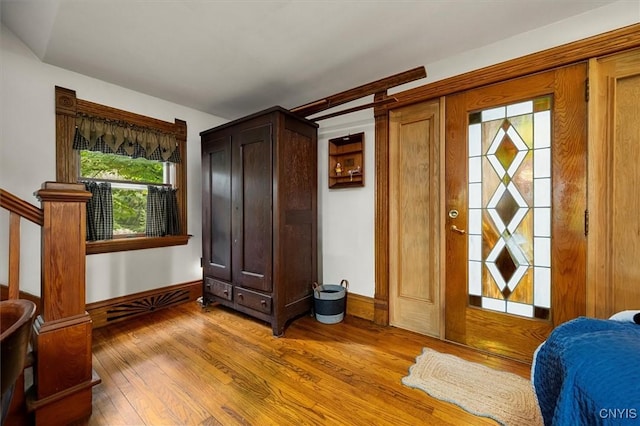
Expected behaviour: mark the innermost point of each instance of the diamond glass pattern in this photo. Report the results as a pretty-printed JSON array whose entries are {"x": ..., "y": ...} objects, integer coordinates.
[{"x": 514, "y": 236}]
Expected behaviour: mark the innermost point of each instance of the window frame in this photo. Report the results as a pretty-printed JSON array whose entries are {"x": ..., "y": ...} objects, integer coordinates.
[{"x": 67, "y": 163}]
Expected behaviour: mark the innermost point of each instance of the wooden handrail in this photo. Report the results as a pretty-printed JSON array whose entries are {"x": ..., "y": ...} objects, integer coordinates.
[
  {"x": 17, "y": 209},
  {"x": 20, "y": 207}
]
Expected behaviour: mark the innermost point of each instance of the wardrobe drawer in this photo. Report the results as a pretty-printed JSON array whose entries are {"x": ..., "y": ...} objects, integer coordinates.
[
  {"x": 218, "y": 288},
  {"x": 251, "y": 299}
]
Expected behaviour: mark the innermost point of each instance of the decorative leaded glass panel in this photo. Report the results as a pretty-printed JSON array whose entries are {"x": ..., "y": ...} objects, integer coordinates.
[{"x": 509, "y": 229}]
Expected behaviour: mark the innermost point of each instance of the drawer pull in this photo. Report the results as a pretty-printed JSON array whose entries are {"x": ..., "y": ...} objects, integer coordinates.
[{"x": 263, "y": 302}]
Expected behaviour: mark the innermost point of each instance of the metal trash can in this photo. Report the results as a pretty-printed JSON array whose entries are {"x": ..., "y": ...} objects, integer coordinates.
[{"x": 330, "y": 302}]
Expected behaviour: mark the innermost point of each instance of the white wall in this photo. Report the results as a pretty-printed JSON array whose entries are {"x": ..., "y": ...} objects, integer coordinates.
[
  {"x": 346, "y": 215},
  {"x": 27, "y": 159}
]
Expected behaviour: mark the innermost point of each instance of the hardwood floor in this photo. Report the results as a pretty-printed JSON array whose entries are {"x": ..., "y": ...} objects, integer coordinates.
[{"x": 191, "y": 366}]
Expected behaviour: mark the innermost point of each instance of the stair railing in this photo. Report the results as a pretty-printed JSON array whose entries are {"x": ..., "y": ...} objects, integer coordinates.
[{"x": 63, "y": 376}]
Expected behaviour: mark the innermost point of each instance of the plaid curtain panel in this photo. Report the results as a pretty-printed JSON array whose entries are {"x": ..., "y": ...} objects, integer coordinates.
[
  {"x": 162, "y": 212},
  {"x": 99, "y": 211},
  {"x": 173, "y": 224}
]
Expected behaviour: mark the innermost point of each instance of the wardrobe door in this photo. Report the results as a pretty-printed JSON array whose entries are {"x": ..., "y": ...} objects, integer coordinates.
[
  {"x": 216, "y": 207},
  {"x": 252, "y": 203}
]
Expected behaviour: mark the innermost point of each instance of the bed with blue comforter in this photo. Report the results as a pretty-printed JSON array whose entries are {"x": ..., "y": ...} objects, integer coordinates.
[{"x": 588, "y": 373}]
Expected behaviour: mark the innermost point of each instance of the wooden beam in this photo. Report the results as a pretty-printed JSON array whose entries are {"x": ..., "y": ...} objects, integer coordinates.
[
  {"x": 357, "y": 108},
  {"x": 359, "y": 92}
]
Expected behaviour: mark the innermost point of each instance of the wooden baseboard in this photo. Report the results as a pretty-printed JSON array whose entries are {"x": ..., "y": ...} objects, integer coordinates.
[
  {"x": 122, "y": 308},
  {"x": 125, "y": 307},
  {"x": 360, "y": 306}
]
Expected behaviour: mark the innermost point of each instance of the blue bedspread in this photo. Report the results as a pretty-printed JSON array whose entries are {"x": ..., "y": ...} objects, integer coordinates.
[{"x": 588, "y": 373}]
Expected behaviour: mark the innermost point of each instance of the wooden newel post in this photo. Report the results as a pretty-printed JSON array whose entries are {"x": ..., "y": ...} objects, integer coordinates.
[{"x": 63, "y": 331}]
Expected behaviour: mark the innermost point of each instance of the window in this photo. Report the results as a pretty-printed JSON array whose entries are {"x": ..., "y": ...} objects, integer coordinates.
[
  {"x": 129, "y": 179},
  {"x": 152, "y": 166}
]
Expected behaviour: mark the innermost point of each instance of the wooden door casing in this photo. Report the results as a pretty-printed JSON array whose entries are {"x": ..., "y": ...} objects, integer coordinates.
[{"x": 510, "y": 335}]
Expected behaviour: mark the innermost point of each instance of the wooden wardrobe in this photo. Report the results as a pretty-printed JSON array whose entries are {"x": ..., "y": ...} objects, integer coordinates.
[{"x": 259, "y": 215}]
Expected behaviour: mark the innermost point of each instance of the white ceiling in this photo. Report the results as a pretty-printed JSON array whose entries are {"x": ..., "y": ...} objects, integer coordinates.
[{"x": 232, "y": 58}]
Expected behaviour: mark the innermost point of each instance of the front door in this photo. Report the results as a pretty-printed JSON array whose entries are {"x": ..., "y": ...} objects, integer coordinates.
[
  {"x": 414, "y": 218},
  {"x": 515, "y": 200}
]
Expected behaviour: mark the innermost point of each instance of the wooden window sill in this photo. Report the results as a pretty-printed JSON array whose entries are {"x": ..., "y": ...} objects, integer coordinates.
[{"x": 135, "y": 243}]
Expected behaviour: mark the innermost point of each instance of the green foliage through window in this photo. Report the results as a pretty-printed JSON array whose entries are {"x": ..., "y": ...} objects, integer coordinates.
[
  {"x": 129, "y": 199},
  {"x": 129, "y": 211},
  {"x": 118, "y": 167}
]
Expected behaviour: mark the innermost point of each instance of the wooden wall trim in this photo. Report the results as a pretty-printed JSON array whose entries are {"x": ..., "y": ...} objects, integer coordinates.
[
  {"x": 100, "y": 315},
  {"x": 126, "y": 307},
  {"x": 566, "y": 54},
  {"x": 110, "y": 113},
  {"x": 360, "y": 306},
  {"x": 180, "y": 127},
  {"x": 135, "y": 243},
  {"x": 381, "y": 314},
  {"x": 66, "y": 105}
]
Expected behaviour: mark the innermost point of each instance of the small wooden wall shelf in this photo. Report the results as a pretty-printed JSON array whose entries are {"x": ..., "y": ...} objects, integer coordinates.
[{"x": 346, "y": 161}]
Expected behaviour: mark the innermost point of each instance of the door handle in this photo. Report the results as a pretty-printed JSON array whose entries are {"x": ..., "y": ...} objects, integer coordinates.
[{"x": 456, "y": 229}]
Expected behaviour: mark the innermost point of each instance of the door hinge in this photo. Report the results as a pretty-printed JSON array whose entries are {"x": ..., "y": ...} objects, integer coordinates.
[
  {"x": 586, "y": 223},
  {"x": 586, "y": 90}
]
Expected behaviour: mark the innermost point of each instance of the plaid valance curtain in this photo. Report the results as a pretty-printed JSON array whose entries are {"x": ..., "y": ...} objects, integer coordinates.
[
  {"x": 162, "y": 212},
  {"x": 99, "y": 211},
  {"x": 115, "y": 137}
]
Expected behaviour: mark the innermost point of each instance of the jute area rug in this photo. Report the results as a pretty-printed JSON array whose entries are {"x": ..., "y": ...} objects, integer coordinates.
[{"x": 505, "y": 397}]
